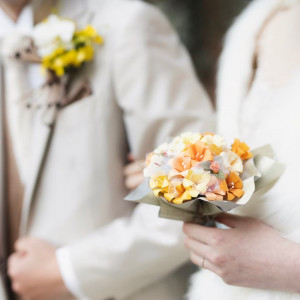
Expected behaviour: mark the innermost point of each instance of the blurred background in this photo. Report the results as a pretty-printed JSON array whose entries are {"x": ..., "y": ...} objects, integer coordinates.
[{"x": 201, "y": 25}]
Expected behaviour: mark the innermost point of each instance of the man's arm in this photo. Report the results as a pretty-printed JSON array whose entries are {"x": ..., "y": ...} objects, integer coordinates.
[{"x": 156, "y": 84}]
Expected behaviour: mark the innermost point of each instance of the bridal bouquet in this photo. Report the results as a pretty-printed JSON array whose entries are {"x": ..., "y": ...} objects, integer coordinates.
[{"x": 195, "y": 176}]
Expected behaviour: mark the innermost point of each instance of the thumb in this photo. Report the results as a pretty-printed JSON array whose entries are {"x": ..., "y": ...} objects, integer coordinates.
[{"x": 230, "y": 220}]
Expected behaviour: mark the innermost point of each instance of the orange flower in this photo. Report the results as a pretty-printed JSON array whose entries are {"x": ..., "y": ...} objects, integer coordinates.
[
  {"x": 233, "y": 186},
  {"x": 180, "y": 164},
  {"x": 199, "y": 152},
  {"x": 241, "y": 149}
]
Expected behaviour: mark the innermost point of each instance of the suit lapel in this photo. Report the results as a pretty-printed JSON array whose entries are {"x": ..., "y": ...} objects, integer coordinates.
[
  {"x": 42, "y": 8},
  {"x": 42, "y": 134},
  {"x": 4, "y": 251},
  {"x": 44, "y": 126},
  {"x": 2, "y": 177}
]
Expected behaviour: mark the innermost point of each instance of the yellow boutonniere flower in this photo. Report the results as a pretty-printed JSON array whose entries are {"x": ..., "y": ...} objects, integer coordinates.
[{"x": 63, "y": 47}]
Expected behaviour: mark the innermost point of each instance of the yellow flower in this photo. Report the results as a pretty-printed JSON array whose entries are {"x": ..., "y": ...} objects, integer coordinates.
[
  {"x": 178, "y": 193},
  {"x": 73, "y": 54},
  {"x": 214, "y": 142},
  {"x": 184, "y": 197},
  {"x": 159, "y": 185},
  {"x": 174, "y": 192},
  {"x": 58, "y": 66},
  {"x": 191, "y": 187},
  {"x": 92, "y": 33},
  {"x": 59, "y": 71},
  {"x": 84, "y": 54},
  {"x": 190, "y": 137},
  {"x": 70, "y": 58},
  {"x": 89, "y": 33},
  {"x": 98, "y": 39},
  {"x": 55, "y": 61}
]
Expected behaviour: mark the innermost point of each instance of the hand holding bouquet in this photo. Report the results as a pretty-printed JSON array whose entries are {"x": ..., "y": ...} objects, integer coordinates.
[{"x": 195, "y": 176}]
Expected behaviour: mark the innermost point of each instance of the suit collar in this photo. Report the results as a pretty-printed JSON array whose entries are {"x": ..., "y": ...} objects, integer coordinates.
[{"x": 75, "y": 9}]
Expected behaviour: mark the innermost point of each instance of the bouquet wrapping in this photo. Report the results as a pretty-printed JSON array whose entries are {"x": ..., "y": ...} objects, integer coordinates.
[{"x": 195, "y": 177}]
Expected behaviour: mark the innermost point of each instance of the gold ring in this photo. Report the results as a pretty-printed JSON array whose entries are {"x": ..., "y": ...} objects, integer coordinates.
[{"x": 203, "y": 261}]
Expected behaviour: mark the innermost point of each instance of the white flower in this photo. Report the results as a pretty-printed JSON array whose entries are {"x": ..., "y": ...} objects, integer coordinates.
[
  {"x": 154, "y": 171},
  {"x": 177, "y": 146},
  {"x": 157, "y": 159},
  {"x": 158, "y": 166},
  {"x": 232, "y": 161},
  {"x": 48, "y": 34},
  {"x": 162, "y": 149},
  {"x": 190, "y": 137},
  {"x": 179, "y": 143},
  {"x": 216, "y": 140}
]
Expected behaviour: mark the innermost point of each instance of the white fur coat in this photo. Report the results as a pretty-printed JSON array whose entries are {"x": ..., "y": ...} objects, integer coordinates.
[{"x": 234, "y": 76}]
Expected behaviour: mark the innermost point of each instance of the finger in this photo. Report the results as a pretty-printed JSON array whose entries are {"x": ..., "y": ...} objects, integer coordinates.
[
  {"x": 134, "y": 180},
  {"x": 24, "y": 245},
  {"x": 134, "y": 168},
  {"x": 231, "y": 220},
  {"x": 200, "y": 233},
  {"x": 130, "y": 157},
  {"x": 206, "y": 264},
  {"x": 12, "y": 264},
  {"x": 197, "y": 247}
]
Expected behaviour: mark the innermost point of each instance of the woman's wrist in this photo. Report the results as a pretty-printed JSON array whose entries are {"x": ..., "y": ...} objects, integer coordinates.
[{"x": 291, "y": 266}]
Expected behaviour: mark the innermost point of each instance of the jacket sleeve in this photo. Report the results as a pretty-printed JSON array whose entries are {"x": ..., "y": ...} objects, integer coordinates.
[
  {"x": 155, "y": 83},
  {"x": 160, "y": 96}
]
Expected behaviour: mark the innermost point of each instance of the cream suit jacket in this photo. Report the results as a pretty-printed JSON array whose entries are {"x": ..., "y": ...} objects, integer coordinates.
[{"x": 144, "y": 91}]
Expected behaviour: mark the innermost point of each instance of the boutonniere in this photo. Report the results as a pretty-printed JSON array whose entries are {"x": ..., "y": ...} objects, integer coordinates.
[
  {"x": 61, "y": 49},
  {"x": 62, "y": 46}
]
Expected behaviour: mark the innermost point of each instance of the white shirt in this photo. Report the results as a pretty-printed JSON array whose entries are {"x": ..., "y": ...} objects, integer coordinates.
[{"x": 25, "y": 25}]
